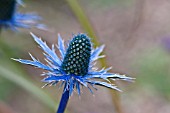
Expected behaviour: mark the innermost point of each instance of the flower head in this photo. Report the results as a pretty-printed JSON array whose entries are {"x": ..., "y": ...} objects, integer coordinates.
[
  {"x": 10, "y": 18},
  {"x": 75, "y": 67}
]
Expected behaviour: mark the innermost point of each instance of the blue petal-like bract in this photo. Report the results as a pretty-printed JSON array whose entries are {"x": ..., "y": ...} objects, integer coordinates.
[
  {"x": 55, "y": 78},
  {"x": 61, "y": 47},
  {"x": 20, "y": 2},
  {"x": 46, "y": 49},
  {"x": 35, "y": 63},
  {"x": 74, "y": 80},
  {"x": 71, "y": 85},
  {"x": 78, "y": 87},
  {"x": 96, "y": 52}
]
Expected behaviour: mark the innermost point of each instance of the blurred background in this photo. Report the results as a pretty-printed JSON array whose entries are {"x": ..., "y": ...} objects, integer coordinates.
[{"x": 137, "y": 38}]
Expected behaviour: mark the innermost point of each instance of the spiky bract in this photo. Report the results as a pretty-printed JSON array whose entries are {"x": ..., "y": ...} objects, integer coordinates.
[{"x": 83, "y": 74}]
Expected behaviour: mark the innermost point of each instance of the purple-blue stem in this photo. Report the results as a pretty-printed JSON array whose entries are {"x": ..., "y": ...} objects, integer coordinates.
[{"x": 63, "y": 102}]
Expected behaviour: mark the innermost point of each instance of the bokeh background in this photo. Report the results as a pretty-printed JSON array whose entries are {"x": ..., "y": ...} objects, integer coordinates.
[{"x": 137, "y": 38}]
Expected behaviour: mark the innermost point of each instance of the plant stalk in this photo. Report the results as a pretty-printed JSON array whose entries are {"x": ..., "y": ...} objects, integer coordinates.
[{"x": 63, "y": 101}]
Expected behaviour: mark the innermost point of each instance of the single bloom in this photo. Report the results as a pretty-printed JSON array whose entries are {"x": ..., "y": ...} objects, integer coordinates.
[
  {"x": 11, "y": 18},
  {"x": 74, "y": 68}
]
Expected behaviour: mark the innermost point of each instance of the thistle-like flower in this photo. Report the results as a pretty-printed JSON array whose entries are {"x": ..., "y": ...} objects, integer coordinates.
[
  {"x": 74, "y": 68},
  {"x": 11, "y": 18}
]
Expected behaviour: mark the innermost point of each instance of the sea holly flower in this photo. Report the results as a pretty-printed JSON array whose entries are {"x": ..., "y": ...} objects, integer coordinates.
[
  {"x": 74, "y": 68},
  {"x": 11, "y": 18}
]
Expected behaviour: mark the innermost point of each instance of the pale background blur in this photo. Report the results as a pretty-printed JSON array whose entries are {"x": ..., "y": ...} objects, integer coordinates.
[{"x": 136, "y": 34}]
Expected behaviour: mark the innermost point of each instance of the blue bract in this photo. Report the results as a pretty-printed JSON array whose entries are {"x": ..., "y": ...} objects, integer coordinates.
[
  {"x": 10, "y": 18},
  {"x": 74, "y": 68}
]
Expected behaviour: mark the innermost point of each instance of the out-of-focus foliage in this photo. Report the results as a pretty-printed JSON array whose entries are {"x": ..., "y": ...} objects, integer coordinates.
[
  {"x": 154, "y": 71},
  {"x": 12, "y": 73},
  {"x": 107, "y": 3},
  {"x": 6, "y": 88}
]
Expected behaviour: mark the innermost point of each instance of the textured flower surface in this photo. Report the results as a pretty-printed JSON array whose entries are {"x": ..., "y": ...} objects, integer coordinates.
[
  {"x": 74, "y": 68},
  {"x": 11, "y": 18}
]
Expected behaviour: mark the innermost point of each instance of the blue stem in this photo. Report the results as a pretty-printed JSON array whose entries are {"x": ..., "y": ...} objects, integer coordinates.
[{"x": 63, "y": 102}]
